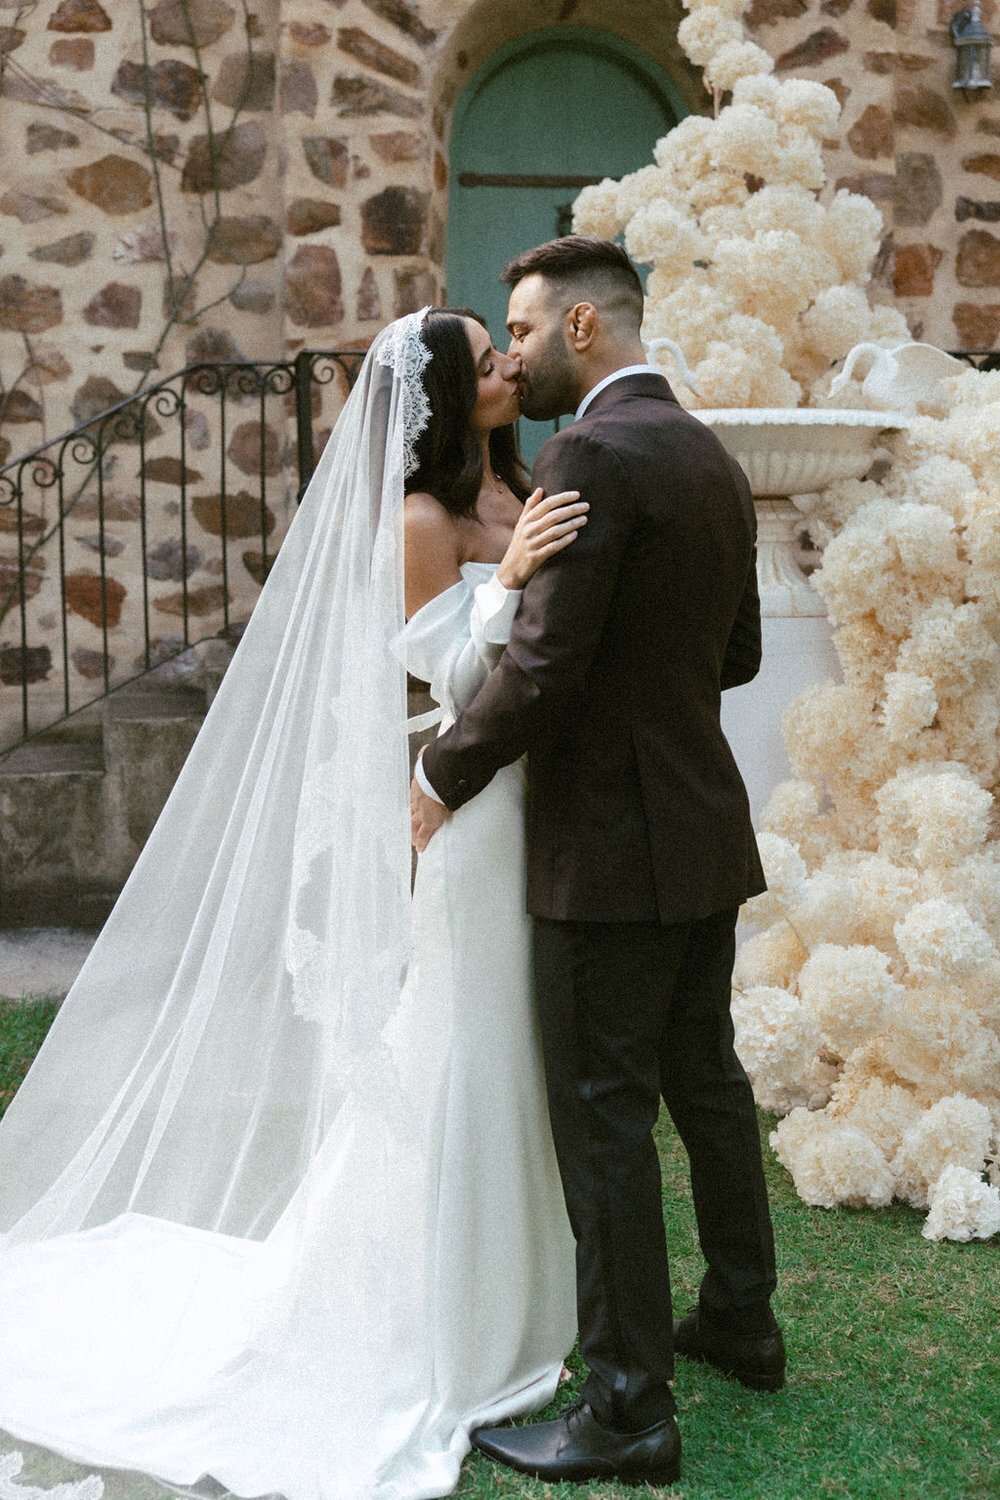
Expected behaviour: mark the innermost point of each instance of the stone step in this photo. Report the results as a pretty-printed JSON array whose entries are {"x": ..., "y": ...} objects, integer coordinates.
[
  {"x": 152, "y": 700},
  {"x": 78, "y": 802},
  {"x": 58, "y": 755}
]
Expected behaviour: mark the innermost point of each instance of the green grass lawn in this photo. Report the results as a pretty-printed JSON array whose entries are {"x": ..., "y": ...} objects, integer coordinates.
[
  {"x": 894, "y": 1355},
  {"x": 894, "y": 1365},
  {"x": 22, "y": 1030}
]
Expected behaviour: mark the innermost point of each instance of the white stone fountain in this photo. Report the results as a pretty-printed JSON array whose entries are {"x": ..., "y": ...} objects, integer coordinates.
[
  {"x": 787, "y": 452},
  {"x": 798, "y": 451}
]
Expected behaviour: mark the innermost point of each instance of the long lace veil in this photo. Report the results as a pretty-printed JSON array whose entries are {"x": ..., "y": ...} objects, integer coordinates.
[{"x": 244, "y": 979}]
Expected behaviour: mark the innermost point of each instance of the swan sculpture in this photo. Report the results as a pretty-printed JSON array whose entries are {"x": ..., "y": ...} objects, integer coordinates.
[{"x": 900, "y": 379}]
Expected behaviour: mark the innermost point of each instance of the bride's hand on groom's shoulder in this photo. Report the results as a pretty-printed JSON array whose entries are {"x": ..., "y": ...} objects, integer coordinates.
[{"x": 545, "y": 526}]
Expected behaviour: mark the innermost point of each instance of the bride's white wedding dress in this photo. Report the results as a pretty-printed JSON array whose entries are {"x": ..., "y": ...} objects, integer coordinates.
[{"x": 421, "y": 1279}]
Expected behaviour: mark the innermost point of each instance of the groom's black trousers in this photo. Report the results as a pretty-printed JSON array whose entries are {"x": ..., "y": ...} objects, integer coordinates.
[{"x": 630, "y": 1012}]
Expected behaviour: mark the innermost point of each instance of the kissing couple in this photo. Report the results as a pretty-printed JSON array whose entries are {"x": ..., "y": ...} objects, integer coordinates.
[{"x": 314, "y": 1181}]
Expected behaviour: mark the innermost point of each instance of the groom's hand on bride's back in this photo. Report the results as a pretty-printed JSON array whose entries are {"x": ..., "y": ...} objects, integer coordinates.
[{"x": 426, "y": 816}]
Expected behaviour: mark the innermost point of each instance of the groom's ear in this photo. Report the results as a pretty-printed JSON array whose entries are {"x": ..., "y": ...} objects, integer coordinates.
[{"x": 582, "y": 324}]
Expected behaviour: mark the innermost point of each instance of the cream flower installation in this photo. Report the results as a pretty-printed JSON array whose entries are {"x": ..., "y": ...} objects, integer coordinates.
[
  {"x": 761, "y": 285},
  {"x": 867, "y": 1002},
  {"x": 883, "y": 917}
]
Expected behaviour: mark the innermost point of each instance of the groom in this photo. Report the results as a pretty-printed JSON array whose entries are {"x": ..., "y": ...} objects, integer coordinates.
[{"x": 640, "y": 851}]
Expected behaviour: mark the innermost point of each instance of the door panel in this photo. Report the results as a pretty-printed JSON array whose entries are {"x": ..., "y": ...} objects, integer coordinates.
[{"x": 546, "y": 115}]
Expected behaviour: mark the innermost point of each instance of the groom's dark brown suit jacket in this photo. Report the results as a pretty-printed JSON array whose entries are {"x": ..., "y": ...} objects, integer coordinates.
[{"x": 612, "y": 678}]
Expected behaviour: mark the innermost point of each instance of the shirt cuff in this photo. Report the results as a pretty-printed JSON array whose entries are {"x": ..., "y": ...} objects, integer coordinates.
[
  {"x": 420, "y": 776},
  {"x": 493, "y": 614}
]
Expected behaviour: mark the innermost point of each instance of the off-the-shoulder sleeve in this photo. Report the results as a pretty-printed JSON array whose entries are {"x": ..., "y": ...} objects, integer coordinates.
[{"x": 456, "y": 640}]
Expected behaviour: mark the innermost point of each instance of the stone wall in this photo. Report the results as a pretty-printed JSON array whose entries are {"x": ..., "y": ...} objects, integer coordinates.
[
  {"x": 927, "y": 155},
  {"x": 204, "y": 179}
]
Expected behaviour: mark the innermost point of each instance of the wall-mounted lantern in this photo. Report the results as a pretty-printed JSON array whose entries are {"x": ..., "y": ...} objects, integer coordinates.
[{"x": 972, "y": 45}]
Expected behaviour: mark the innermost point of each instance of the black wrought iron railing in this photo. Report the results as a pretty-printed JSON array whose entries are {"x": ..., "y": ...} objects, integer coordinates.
[
  {"x": 189, "y": 483},
  {"x": 168, "y": 487},
  {"x": 980, "y": 359}
]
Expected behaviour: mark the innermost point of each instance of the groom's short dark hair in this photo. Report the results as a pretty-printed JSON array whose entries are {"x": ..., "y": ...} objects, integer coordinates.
[{"x": 598, "y": 268}]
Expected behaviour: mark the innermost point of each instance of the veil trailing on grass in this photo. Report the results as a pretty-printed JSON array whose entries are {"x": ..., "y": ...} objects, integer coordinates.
[
  {"x": 247, "y": 1221},
  {"x": 241, "y": 984}
]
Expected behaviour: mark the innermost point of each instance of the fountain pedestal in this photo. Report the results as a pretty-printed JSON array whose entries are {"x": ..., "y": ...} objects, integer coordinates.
[{"x": 784, "y": 453}]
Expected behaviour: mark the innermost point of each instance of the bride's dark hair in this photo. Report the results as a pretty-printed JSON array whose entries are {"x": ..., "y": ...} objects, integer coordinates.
[{"x": 449, "y": 454}]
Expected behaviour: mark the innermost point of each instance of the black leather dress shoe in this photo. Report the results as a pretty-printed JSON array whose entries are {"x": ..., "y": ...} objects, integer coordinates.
[
  {"x": 755, "y": 1360},
  {"x": 576, "y": 1447}
]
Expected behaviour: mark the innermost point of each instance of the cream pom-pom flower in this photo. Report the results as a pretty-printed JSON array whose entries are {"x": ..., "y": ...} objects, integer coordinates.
[
  {"x": 940, "y": 941},
  {"x": 786, "y": 875},
  {"x": 851, "y": 992},
  {"x": 777, "y": 1039},
  {"x": 866, "y": 654},
  {"x": 824, "y": 727},
  {"x": 783, "y": 206},
  {"x": 885, "y": 893},
  {"x": 706, "y": 31},
  {"x": 724, "y": 221},
  {"x": 725, "y": 376},
  {"x": 909, "y": 705},
  {"x": 773, "y": 386},
  {"x": 955, "y": 1132},
  {"x": 774, "y": 270},
  {"x": 801, "y": 162},
  {"x": 663, "y": 234},
  {"x": 974, "y": 882},
  {"x": 883, "y": 1111},
  {"x": 838, "y": 318},
  {"x": 969, "y": 729},
  {"x": 828, "y": 910},
  {"x": 833, "y": 507},
  {"x": 976, "y": 437},
  {"x": 933, "y": 815},
  {"x": 745, "y": 139},
  {"x": 685, "y": 153},
  {"x": 913, "y": 544},
  {"x": 715, "y": 190},
  {"x": 942, "y": 481},
  {"x": 832, "y": 1162},
  {"x": 851, "y": 232},
  {"x": 690, "y": 313},
  {"x": 794, "y": 810},
  {"x": 648, "y": 185},
  {"x": 811, "y": 106},
  {"x": 760, "y": 90},
  {"x": 889, "y": 326},
  {"x": 757, "y": 338},
  {"x": 982, "y": 545},
  {"x": 596, "y": 210},
  {"x": 736, "y": 60},
  {"x": 938, "y": 1043},
  {"x": 771, "y": 959},
  {"x": 962, "y": 1207},
  {"x": 950, "y": 642},
  {"x": 975, "y": 388}
]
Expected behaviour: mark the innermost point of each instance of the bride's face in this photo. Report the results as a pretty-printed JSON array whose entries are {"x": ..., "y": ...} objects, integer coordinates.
[{"x": 497, "y": 374}]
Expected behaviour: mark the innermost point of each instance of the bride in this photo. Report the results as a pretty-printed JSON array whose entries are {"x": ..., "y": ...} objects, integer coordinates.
[{"x": 279, "y": 1197}]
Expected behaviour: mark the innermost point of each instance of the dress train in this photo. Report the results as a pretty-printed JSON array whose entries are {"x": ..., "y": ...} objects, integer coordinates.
[{"x": 419, "y": 1282}]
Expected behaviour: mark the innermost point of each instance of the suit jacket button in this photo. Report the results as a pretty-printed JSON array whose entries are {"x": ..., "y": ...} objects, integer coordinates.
[{"x": 461, "y": 785}]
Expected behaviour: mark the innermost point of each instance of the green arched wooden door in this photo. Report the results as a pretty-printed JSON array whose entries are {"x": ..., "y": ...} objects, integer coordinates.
[{"x": 549, "y": 113}]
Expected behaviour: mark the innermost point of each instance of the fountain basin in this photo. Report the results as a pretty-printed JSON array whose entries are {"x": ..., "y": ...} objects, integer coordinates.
[{"x": 798, "y": 449}]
